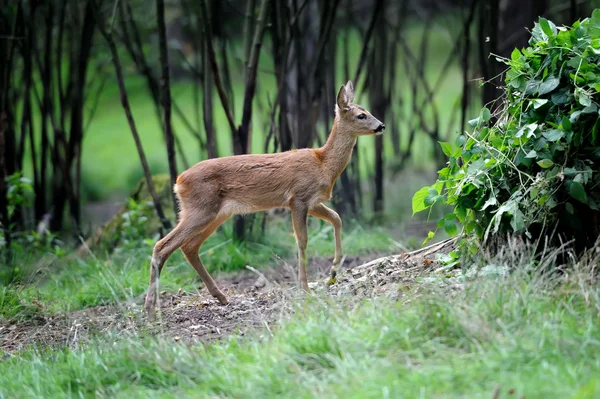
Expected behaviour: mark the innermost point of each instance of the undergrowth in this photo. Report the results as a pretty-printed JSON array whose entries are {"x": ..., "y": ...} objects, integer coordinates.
[{"x": 531, "y": 164}]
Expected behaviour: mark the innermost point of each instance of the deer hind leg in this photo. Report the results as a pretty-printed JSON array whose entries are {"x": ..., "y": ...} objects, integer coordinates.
[
  {"x": 329, "y": 215},
  {"x": 190, "y": 250},
  {"x": 299, "y": 221},
  {"x": 186, "y": 229}
]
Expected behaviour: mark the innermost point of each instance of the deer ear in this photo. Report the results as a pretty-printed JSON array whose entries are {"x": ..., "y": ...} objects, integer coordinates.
[
  {"x": 342, "y": 98},
  {"x": 350, "y": 92}
]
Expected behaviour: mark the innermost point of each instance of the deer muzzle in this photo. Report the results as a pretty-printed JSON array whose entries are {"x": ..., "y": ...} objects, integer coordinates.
[{"x": 380, "y": 129}]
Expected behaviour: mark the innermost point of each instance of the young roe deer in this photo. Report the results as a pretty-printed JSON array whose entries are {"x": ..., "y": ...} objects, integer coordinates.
[{"x": 211, "y": 191}]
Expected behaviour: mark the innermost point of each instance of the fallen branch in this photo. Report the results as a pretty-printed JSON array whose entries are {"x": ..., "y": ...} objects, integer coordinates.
[{"x": 407, "y": 255}]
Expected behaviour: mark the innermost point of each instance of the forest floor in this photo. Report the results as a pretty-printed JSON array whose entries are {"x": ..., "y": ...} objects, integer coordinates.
[{"x": 256, "y": 299}]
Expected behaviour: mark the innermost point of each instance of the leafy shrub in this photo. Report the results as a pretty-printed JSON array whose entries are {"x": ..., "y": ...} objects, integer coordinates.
[
  {"x": 533, "y": 163},
  {"x": 134, "y": 225}
]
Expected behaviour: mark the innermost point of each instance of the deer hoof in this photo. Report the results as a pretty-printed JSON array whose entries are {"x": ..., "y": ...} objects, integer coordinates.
[
  {"x": 149, "y": 308},
  {"x": 222, "y": 298}
]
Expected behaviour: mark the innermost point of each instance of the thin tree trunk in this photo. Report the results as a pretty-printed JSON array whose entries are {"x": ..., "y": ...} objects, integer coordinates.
[
  {"x": 214, "y": 67},
  {"x": 241, "y": 140},
  {"x": 379, "y": 103},
  {"x": 250, "y": 88},
  {"x": 165, "y": 94},
  {"x": 466, "y": 63},
  {"x": 46, "y": 108},
  {"x": 4, "y": 221},
  {"x": 207, "y": 105},
  {"x": 365, "y": 48},
  {"x": 248, "y": 30}
]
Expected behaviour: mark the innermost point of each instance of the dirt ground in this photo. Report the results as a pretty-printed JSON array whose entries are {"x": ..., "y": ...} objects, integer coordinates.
[{"x": 257, "y": 300}]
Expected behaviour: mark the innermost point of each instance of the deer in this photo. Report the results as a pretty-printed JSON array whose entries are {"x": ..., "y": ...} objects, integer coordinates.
[{"x": 213, "y": 190}]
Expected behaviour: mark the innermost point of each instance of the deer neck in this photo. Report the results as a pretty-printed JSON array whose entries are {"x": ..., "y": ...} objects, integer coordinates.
[{"x": 337, "y": 151}]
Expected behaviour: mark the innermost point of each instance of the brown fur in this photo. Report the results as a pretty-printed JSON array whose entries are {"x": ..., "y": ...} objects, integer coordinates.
[{"x": 213, "y": 190}]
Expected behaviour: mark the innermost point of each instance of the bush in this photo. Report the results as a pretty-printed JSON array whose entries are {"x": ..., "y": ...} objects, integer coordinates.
[{"x": 531, "y": 165}]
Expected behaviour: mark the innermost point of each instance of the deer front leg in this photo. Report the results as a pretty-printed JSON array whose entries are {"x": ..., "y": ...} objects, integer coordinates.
[
  {"x": 299, "y": 221},
  {"x": 329, "y": 215}
]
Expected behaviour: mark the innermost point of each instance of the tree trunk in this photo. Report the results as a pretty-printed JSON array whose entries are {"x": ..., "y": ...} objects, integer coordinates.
[
  {"x": 207, "y": 105},
  {"x": 4, "y": 222},
  {"x": 241, "y": 140},
  {"x": 165, "y": 94},
  {"x": 379, "y": 103}
]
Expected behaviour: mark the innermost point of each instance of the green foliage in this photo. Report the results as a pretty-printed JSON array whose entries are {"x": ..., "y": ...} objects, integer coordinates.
[
  {"x": 133, "y": 226},
  {"x": 535, "y": 162},
  {"x": 19, "y": 193}
]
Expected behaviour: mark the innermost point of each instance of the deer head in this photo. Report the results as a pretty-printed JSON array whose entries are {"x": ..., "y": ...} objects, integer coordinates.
[{"x": 353, "y": 118}]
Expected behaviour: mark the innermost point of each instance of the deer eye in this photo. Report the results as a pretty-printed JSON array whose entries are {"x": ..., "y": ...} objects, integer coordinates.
[{"x": 361, "y": 116}]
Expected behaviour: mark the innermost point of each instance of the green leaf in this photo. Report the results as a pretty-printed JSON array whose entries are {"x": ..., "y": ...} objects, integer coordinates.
[
  {"x": 566, "y": 123},
  {"x": 546, "y": 28},
  {"x": 531, "y": 154},
  {"x": 574, "y": 116},
  {"x": 560, "y": 97},
  {"x": 490, "y": 202},
  {"x": 518, "y": 220},
  {"x": 577, "y": 191},
  {"x": 446, "y": 148},
  {"x": 590, "y": 109},
  {"x": 553, "y": 135},
  {"x": 569, "y": 208},
  {"x": 545, "y": 163},
  {"x": 430, "y": 236},
  {"x": 538, "y": 102},
  {"x": 440, "y": 223},
  {"x": 461, "y": 213},
  {"x": 474, "y": 122},
  {"x": 515, "y": 55},
  {"x": 548, "y": 85},
  {"x": 485, "y": 114},
  {"x": 418, "y": 200},
  {"x": 583, "y": 98},
  {"x": 450, "y": 227},
  {"x": 429, "y": 200}
]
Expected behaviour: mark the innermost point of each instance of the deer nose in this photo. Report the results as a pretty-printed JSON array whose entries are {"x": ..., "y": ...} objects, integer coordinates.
[{"x": 380, "y": 128}]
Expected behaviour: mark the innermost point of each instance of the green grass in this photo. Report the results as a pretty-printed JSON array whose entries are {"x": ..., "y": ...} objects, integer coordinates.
[
  {"x": 70, "y": 285},
  {"x": 522, "y": 333}
]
